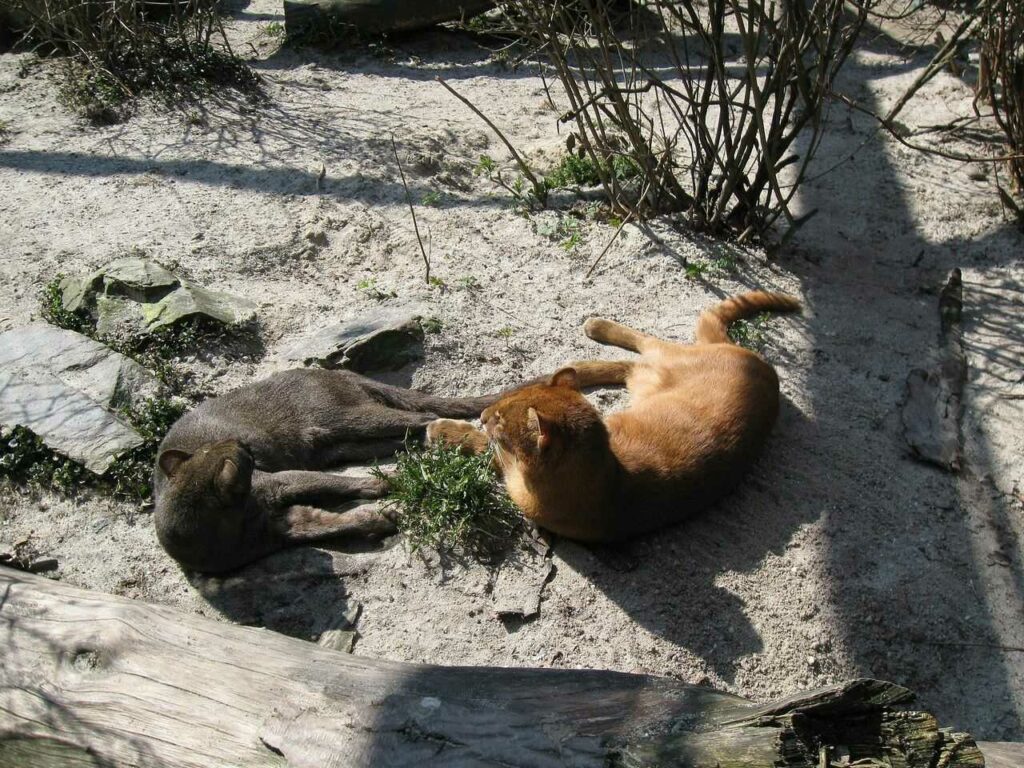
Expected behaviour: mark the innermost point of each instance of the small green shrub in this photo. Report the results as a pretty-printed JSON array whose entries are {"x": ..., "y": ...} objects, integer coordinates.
[
  {"x": 700, "y": 268},
  {"x": 369, "y": 288},
  {"x": 576, "y": 171},
  {"x": 131, "y": 476},
  {"x": 51, "y": 306},
  {"x": 750, "y": 333},
  {"x": 431, "y": 324},
  {"x": 451, "y": 502},
  {"x": 26, "y": 461}
]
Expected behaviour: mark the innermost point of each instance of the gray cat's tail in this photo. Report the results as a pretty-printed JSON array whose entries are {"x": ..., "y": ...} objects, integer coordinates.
[
  {"x": 713, "y": 324},
  {"x": 422, "y": 402},
  {"x": 590, "y": 373}
]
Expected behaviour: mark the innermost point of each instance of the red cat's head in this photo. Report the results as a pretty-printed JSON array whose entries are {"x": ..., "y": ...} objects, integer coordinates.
[{"x": 537, "y": 425}]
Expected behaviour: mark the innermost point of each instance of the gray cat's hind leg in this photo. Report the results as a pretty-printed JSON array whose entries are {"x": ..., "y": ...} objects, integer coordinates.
[
  {"x": 296, "y": 486},
  {"x": 301, "y": 523}
]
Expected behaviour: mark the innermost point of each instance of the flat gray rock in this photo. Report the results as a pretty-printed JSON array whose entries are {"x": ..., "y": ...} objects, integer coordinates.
[
  {"x": 189, "y": 300},
  {"x": 933, "y": 398},
  {"x": 520, "y": 579},
  {"x": 133, "y": 294},
  {"x": 384, "y": 340},
  {"x": 65, "y": 387}
]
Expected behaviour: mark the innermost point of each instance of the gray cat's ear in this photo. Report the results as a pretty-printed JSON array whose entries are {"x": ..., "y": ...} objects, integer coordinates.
[
  {"x": 228, "y": 475},
  {"x": 565, "y": 377},
  {"x": 170, "y": 461}
]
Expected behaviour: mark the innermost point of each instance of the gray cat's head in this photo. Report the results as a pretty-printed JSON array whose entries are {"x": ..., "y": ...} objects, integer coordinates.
[{"x": 217, "y": 475}]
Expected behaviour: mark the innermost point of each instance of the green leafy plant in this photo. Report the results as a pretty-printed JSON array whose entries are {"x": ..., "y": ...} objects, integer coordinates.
[
  {"x": 574, "y": 170},
  {"x": 51, "y": 306},
  {"x": 572, "y": 230},
  {"x": 25, "y": 460},
  {"x": 431, "y": 324},
  {"x": 131, "y": 476},
  {"x": 368, "y": 287},
  {"x": 451, "y": 502},
  {"x": 274, "y": 30},
  {"x": 750, "y": 333},
  {"x": 527, "y": 196},
  {"x": 700, "y": 268},
  {"x": 431, "y": 198}
]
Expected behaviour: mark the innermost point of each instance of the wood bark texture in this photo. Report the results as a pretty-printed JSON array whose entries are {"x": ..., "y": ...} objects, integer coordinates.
[{"x": 95, "y": 680}]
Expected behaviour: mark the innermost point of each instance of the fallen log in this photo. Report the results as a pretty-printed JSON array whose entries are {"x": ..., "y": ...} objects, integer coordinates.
[
  {"x": 95, "y": 680},
  {"x": 325, "y": 20}
]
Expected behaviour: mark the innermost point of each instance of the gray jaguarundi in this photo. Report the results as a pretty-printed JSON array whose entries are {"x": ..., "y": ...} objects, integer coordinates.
[{"x": 236, "y": 478}]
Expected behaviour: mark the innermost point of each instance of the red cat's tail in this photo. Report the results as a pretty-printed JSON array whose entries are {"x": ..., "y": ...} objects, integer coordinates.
[{"x": 713, "y": 324}]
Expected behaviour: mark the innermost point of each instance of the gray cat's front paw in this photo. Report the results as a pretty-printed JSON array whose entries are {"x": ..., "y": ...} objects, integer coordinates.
[{"x": 451, "y": 431}]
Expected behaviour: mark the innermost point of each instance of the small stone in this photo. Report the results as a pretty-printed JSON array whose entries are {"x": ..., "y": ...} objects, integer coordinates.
[
  {"x": 384, "y": 340},
  {"x": 317, "y": 237},
  {"x": 338, "y": 640}
]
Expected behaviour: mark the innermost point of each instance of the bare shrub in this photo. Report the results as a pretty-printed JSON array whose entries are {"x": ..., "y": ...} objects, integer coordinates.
[
  {"x": 706, "y": 100},
  {"x": 1001, "y": 76},
  {"x": 118, "y": 50}
]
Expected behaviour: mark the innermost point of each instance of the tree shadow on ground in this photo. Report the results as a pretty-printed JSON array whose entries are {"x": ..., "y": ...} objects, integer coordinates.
[{"x": 914, "y": 599}]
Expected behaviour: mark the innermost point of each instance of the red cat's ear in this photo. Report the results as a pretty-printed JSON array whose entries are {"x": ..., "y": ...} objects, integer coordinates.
[
  {"x": 171, "y": 460},
  {"x": 565, "y": 377},
  {"x": 540, "y": 426}
]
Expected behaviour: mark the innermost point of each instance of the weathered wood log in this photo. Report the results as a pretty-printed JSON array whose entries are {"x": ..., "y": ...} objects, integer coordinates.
[
  {"x": 95, "y": 680},
  {"x": 1002, "y": 754},
  {"x": 319, "y": 20}
]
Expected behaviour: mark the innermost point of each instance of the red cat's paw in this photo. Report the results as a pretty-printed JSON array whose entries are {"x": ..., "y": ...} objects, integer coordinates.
[{"x": 596, "y": 328}]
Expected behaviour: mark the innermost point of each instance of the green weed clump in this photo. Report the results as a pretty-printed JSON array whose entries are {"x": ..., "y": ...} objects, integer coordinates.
[
  {"x": 27, "y": 462},
  {"x": 576, "y": 171},
  {"x": 51, "y": 306},
  {"x": 451, "y": 502},
  {"x": 750, "y": 333}
]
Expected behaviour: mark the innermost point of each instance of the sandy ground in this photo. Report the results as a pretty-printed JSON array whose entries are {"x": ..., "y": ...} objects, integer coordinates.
[{"x": 839, "y": 555}]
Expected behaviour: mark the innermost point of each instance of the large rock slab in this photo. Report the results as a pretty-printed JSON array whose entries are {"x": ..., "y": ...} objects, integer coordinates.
[
  {"x": 66, "y": 388},
  {"x": 384, "y": 340},
  {"x": 134, "y": 295}
]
